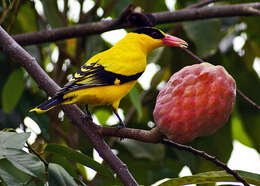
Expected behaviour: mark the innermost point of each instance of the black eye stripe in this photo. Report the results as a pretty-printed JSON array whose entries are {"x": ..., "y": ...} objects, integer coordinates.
[{"x": 152, "y": 32}]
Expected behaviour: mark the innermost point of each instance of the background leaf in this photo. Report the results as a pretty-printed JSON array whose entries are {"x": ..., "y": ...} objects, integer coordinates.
[
  {"x": 201, "y": 32},
  {"x": 11, "y": 175},
  {"x": 144, "y": 150},
  {"x": 136, "y": 100},
  {"x": 52, "y": 14},
  {"x": 12, "y": 140},
  {"x": 79, "y": 157},
  {"x": 212, "y": 177},
  {"x": 58, "y": 176},
  {"x": 28, "y": 163},
  {"x": 16, "y": 166},
  {"x": 13, "y": 90}
]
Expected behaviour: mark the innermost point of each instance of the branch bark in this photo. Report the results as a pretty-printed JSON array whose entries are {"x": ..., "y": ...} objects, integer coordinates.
[
  {"x": 154, "y": 136},
  {"x": 14, "y": 50},
  {"x": 245, "y": 9}
]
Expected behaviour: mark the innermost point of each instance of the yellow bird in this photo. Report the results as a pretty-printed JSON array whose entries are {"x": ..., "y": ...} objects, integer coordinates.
[{"x": 108, "y": 76}]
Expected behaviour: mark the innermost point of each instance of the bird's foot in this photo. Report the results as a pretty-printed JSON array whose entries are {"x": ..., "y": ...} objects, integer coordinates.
[
  {"x": 88, "y": 117},
  {"x": 120, "y": 125}
]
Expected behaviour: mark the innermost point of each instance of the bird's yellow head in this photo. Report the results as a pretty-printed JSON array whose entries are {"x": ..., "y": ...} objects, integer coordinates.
[{"x": 151, "y": 38}]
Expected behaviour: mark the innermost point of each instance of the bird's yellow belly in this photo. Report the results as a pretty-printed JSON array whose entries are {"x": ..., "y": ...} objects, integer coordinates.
[{"x": 99, "y": 95}]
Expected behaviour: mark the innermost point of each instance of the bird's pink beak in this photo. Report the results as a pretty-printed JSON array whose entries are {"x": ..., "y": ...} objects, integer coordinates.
[{"x": 174, "y": 41}]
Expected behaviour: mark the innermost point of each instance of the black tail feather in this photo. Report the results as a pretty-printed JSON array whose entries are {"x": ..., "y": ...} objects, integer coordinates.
[{"x": 49, "y": 104}]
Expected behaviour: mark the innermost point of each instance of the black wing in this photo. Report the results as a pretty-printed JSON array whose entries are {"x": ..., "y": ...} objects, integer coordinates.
[{"x": 93, "y": 75}]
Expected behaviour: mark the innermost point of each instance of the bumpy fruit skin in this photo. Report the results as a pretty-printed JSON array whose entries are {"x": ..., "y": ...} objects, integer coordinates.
[{"x": 196, "y": 101}]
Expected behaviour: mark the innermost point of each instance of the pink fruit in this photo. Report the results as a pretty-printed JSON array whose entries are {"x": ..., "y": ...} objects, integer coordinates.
[{"x": 196, "y": 101}]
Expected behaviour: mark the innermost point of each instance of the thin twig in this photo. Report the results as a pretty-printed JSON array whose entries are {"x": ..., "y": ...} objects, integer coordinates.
[
  {"x": 110, "y": 7},
  {"x": 6, "y": 10},
  {"x": 205, "y": 156},
  {"x": 199, "y": 60},
  {"x": 202, "y": 3},
  {"x": 38, "y": 155},
  {"x": 248, "y": 99},
  {"x": 17, "y": 7},
  {"x": 161, "y": 17}
]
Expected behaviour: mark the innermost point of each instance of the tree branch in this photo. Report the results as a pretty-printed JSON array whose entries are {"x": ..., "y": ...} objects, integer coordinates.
[
  {"x": 38, "y": 155},
  {"x": 149, "y": 136},
  {"x": 154, "y": 136},
  {"x": 245, "y": 9},
  {"x": 10, "y": 47}
]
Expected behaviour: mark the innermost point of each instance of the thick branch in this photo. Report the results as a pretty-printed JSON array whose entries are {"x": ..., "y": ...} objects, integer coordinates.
[
  {"x": 207, "y": 12},
  {"x": 162, "y": 17},
  {"x": 152, "y": 136},
  {"x": 73, "y": 112}
]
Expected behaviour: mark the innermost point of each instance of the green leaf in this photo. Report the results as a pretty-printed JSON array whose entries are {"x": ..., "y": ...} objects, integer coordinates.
[
  {"x": 249, "y": 83},
  {"x": 11, "y": 140},
  {"x": 102, "y": 115},
  {"x": 238, "y": 131},
  {"x": 10, "y": 148},
  {"x": 13, "y": 90},
  {"x": 114, "y": 9},
  {"x": 147, "y": 171},
  {"x": 144, "y": 150},
  {"x": 136, "y": 100},
  {"x": 65, "y": 163},
  {"x": 26, "y": 19},
  {"x": 52, "y": 14},
  {"x": 81, "y": 169},
  {"x": 147, "y": 6},
  {"x": 201, "y": 32},
  {"x": 94, "y": 44},
  {"x": 79, "y": 157},
  {"x": 155, "y": 55},
  {"x": 58, "y": 176},
  {"x": 212, "y": 177},
  {"x": 28, "y": 163},
  {"x": 11, "y": 175}
]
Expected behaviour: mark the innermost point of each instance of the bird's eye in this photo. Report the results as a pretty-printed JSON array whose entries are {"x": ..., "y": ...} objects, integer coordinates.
[{"x": 155, "y": 35}]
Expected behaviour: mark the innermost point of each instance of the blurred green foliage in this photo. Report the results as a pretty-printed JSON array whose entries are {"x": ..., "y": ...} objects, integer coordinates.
[{"x": 211, "y": 39}]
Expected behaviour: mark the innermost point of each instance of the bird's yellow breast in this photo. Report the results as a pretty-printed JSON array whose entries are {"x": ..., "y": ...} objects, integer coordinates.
[{"x": 99, "y": 95}]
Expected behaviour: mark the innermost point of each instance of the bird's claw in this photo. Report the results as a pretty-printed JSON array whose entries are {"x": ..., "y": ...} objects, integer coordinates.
[
  {"x": 88, "y": 117},
  {"x": 121, "y": 125}
]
